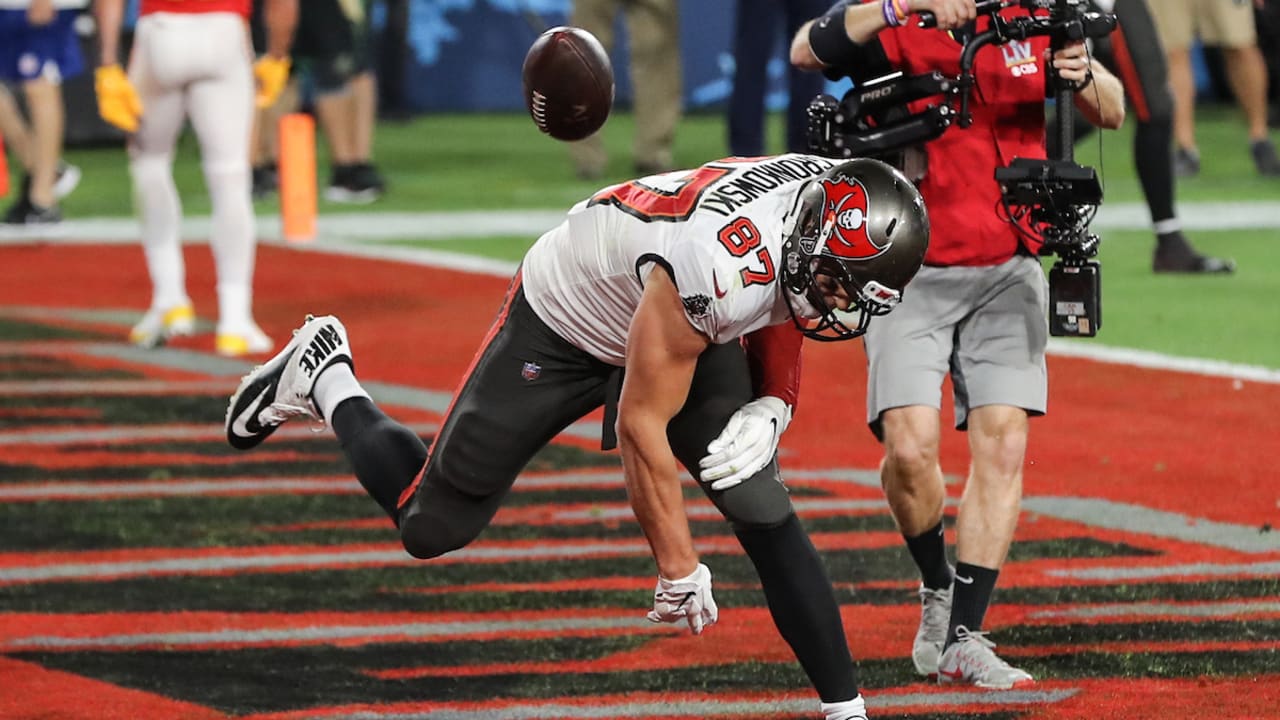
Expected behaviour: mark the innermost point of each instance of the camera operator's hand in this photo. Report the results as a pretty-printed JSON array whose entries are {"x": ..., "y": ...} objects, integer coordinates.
[
  {"x": 950, "y": 14},
  {"x": 1072, "y": 63}
]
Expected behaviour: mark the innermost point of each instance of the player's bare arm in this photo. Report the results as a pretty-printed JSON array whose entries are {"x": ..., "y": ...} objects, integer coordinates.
[
  {"x": 110, "y": 15},
  {"x": 662, "y": 352},
  {"x": 863, "y": 20},
  {"x": 1101, "y": 95},
  {"x": 280, "y": 17}
]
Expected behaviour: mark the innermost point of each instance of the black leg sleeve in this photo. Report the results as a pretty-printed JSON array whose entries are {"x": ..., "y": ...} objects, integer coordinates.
[
  {"x": 803, "y": 605},
  {"x": 385, "y": 455}
]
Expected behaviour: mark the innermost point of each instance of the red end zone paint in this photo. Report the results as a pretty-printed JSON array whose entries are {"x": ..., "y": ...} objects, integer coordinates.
[{"x": 1168, "y": 441}]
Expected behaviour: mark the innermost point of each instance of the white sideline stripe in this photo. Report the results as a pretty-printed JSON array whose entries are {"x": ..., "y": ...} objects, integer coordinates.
[
  {"x": 1157, "y": 361},
  {"x": 703, "y": 708},
  {"x": 1147, "y": 609},
  {"x": 384, "y": 226},
  {"x": 328, "y": 633},
  {"x": 1128, "y": 517}
]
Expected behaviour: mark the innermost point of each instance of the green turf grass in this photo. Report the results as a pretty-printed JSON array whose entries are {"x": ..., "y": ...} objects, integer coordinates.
[{"x": 457, "y": 162}]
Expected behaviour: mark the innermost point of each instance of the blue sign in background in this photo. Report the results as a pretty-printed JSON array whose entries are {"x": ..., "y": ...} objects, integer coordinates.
[{"x": 465, "y": 55}]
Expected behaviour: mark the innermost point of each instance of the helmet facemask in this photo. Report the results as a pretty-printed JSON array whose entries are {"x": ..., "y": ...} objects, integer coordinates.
[{"x": 830, "y": 241}]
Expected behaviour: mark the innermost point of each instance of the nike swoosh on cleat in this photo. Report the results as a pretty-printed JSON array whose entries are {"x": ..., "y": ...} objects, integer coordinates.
[
  {"x": 956, "y": 674},
  {"x": 240, "y": 425}
]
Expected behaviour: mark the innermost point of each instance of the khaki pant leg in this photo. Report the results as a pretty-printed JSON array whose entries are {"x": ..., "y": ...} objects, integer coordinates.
[
  {"x": 1174, "y": 23},
  {"x": 1226, "y": 23},
  {"x": 596, "y": 17},
  {"x": 654, "y": 30}
]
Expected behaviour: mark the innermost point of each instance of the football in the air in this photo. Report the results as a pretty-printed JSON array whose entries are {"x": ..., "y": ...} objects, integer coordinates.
[{"x": 568, "y": 83}]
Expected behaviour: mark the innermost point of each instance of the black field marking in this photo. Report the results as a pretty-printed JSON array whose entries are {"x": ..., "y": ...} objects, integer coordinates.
[
  {"x": 1176, "y": 630},
  {"x": 29, "y": 368},
  {"x": 1139, "y": 665},
  {"x": 279, "y": 680},
  {"x": 123, "y": 410},
  {"x": 391, "y": 587},
  {"x": 14, "y": 330}
]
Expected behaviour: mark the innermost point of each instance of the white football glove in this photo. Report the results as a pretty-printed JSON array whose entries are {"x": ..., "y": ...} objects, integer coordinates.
[
  {"x": 747, "y": 443},
  {"x": 688, "y": 598}
]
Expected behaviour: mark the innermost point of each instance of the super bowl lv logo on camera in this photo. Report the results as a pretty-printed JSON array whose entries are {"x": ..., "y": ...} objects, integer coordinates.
[{"x": 1019, "y": 59}]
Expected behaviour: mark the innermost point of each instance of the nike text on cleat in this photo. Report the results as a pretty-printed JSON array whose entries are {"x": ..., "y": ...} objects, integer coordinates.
[
  {"x": 281, "y": 388},
  {"x": 972, "y": 659},
  {"x": 160, "y": 324},
  {"x": 935, "y": 616}
]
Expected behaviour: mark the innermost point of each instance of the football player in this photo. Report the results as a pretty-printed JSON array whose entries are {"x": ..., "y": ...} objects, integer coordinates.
[
  {"x": 637, "y": 302},
  {"x": 192, "y": 59}
]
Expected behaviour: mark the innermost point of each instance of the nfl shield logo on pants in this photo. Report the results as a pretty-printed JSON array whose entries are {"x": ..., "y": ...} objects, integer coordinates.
[{"x": 531, "y": 371}]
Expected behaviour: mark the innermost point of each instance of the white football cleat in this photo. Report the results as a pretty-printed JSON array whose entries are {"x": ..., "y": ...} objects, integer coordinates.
[
  {"x": 160, "y": 324},
  {"x": 247, "y": 341},
  {"x": 935, "y": 620},
  {"x": 972, "y": 659},
  {"x": 281, "y": 388}
]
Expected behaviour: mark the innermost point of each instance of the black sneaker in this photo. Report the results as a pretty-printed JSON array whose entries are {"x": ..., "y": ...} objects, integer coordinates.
[
  {"x": 1264, "y": 157},
  {"x": 23, "y": 212},
  {"x": 266, "y": 180},
  {"x": 348, "y": 184},
  {"x": 1186, "y": 163},
  {"x": 1174, "y": 254},
  {"x": 367, "y": 175}
]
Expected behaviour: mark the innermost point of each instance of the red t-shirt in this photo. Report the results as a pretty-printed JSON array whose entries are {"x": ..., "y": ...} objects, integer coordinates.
[
  {"x": 240, "y": 7},
  {"x": 1008, "y": 107}
]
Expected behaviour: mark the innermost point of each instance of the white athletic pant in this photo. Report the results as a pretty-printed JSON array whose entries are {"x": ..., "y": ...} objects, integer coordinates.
[{"x": 197, "y": 66}]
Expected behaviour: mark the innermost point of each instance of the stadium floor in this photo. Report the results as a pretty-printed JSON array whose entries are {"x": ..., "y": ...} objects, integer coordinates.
[{"x": 149, "y": 571}]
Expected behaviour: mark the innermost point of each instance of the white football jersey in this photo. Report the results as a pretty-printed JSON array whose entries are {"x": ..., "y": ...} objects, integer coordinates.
[{"x": 718, "y": 228}]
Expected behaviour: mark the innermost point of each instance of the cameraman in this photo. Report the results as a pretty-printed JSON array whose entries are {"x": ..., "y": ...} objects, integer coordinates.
[{"x": 976, "y": 310}]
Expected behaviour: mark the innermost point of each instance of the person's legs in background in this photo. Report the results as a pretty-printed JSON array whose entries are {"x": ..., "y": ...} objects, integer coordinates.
[
  {"x": 802, "y": 86},
  {"x": 753, "y": 35},
  {"x": 155, "y": 194},
  {"x": 221, "y": 109},
  {"x": 1133, "y": 51},
  {"x": 333, "y": 45},
  {"x": 1267, "y": 19},
  {"x": 596, "y": 17},
  {"x": 1175, "y": 27},
  {"x": 654, "y": 30},
  {"x": 1247, "y": 75},
  {"x": 38, "y": 57}
]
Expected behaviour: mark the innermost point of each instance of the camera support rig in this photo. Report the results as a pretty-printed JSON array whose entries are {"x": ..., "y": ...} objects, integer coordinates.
[{"x": 1052, "y": 200}]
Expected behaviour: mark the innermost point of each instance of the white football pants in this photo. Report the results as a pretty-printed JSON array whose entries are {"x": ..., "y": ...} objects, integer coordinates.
[{"x": 196, "y": 66}]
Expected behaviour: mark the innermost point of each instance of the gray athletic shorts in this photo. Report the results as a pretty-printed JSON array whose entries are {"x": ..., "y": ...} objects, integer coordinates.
[{"x": 985, "y": 326}]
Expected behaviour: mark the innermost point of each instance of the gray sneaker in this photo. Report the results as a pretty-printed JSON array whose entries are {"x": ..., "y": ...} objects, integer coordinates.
[
  {"x": 935, "y": 617},
  {"x": 1264, "y": 157},
  {"x": 972, "y": 659},
  {"x": 1186, "y": 163}
]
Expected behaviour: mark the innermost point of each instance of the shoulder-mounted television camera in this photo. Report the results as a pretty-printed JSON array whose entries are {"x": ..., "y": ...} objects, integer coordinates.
[{"x": 1054, "y": 200}]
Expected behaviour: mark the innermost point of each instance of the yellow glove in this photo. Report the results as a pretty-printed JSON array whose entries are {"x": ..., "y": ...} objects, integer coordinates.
[
  {"x": 272, "y": 74},
  {"x": 118, "y": 103}
]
